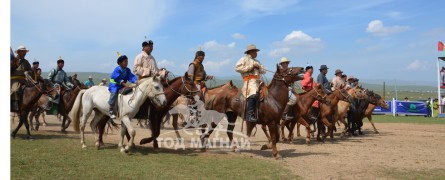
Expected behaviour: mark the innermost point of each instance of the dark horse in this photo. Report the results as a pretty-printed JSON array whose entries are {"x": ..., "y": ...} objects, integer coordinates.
[
  {"x": 275, "y": 97},
  {"x": 327, "y": 112},
  {"x": 173, "y": 89},
  {"x": 65, "y": 105},
  {"x": 31, "y": 94},
  {"x": 356, "y": 114},
  {"x": 300, "y": 111}
]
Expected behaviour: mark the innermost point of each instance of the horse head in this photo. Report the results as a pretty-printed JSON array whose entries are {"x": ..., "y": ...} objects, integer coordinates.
[
  {"x": 289, "y": 75},
  {"x": 345, "y": 96},
  {"x": 154, "y": 91},
  {"x": 49, "y": 89},
  {"x": 189, "y": 89},
  {"x": 321, "y": 96}
]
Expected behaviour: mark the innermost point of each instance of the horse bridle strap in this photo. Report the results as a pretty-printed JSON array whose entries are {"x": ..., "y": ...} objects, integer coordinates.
[{"x": 183, "y": 86}]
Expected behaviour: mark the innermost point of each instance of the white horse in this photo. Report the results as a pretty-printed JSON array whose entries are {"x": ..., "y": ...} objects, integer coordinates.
[{"x": 97, "y": 97}]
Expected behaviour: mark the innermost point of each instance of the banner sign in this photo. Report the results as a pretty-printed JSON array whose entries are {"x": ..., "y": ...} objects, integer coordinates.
[{"x": 407, "y": 107}]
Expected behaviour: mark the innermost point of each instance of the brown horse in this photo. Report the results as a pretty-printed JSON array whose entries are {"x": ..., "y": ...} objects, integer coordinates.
[
  {"x": 328, "y": 110},
  {"x": 270, "y": 109},
  {"x": 31, "y": 94},
  {"x": 212, "y": 95},
  {"x": 172, "y": 89},
  {"x": 300, "y": 110},
  {"x": 39, "y": 109},
  {"x": 370, "y": 109}
]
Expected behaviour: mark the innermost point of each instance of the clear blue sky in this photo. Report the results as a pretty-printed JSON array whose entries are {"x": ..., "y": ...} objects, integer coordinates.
[{"x": 379, "y": 39}]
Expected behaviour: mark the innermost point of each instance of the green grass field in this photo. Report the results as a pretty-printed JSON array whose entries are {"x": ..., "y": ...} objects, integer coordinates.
[
  {"x": 57, "y": 156},
  {"x": 405, "y": 119}
]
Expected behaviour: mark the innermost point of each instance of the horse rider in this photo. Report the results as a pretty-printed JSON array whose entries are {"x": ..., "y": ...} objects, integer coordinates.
[
  {"x": 59, "y": 77},
  {"x": 349, "y": 82},
  {"x": 196, "y": 70},
  {"x": 338, "y": 82},
  {"x": 322, "y": 80},
  {"x": 250, "y": 69},
  {"x": 284, "y": 64},
  {"x": 35, "y": 66},
  {"x": 121, "y": 74},
  {"x": 145, "y": 64},
  {"x": 75, "y": 81},
  {"x": 89, "y": 83},
  {"x": 20, "y": 67},
  {"x": 308, "y": 82},
  {"x": 103, "y": 83}
]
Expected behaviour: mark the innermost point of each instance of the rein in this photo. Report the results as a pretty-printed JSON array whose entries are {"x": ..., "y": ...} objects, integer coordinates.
[
  {"x": 29, "y": 79},
  {"x": 183, "y": 86}
]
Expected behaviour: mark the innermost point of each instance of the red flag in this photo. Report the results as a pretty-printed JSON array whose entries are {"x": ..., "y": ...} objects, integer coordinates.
[{"x": 440, "y": 46}]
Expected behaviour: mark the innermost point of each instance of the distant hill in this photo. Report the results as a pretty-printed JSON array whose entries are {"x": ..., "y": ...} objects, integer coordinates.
[{"x": 376, "y": 85}]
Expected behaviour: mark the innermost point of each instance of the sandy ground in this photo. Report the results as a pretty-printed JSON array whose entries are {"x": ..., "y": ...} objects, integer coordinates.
[{"x": 398, "y": 147}]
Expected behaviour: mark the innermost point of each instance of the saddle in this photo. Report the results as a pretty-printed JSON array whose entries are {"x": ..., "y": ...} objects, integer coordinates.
[
  {"x": 263, "y": 92},
  {"x": 125, "y": 90}
]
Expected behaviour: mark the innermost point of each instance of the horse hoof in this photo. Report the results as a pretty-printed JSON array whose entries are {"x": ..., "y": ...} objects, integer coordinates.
[
  {"x": 264, "y": 147},
  {"x": 122, "y": 150},
  {"x": 377, "y": 132},
  {"x": 30, "y": 138},
  {"x": 203, "y": 150},
  {"x": 84, "y": 146},
  {"x": 278, "y": 157}
]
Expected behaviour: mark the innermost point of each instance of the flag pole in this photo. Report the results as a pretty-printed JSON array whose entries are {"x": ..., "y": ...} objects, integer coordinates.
[{"x": 439, "y": 101}]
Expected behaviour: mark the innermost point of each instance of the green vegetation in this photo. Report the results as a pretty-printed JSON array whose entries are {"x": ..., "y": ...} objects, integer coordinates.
[
  {"x": 56, "y": 156},
  {"x": 415, "y": 174},
  {"x": 405, "y": 119}
]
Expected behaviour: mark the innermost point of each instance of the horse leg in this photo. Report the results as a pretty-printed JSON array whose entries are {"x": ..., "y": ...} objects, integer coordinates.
[
  {"x": 372, "y": 123},
  {"x": 298, "y": 129},
  {"x": 36, "y": 117},
  {"x": 25, "y": 121},
  {"x": 43, "y": 117},
  {"x": 83, "y": 122},
  {"x": 264, "y": 128},
  {"x": 273, "y": 130},
  {"x": 14, "y": 133},
  {"x": 175, "y": 125},
  {"x": 282, "y": 125},
  {"x": 291, "y": 129},
  {"x": 125, "y": 120},
  {"x": 94, "y": 127},
  {"x": 303, "y": 122},
  {"x": 231, "y": 118},
  {"x": 67, "y": 119},
  {"x": 360, "y": 125},
  {"x": 31, "y": 115}
]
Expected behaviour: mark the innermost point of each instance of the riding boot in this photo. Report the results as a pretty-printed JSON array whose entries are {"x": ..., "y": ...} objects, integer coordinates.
[
  {"x": 15, "y": 106},
  {"x": 251, "y": 102},
  {"x": 313, "y": 114},
  {"x": 111, "y": 113},
  {"x": 286, "y": 115}
]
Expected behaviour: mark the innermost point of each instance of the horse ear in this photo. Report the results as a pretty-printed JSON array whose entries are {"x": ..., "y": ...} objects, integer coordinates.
[
  {"x": 186, "y": 75},
  {"x": 278, "y": 68}
]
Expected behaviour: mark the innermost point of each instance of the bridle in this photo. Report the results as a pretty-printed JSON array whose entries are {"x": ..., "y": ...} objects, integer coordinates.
[
  {"x": 287, "y": 73},
  {"x": 184, "y": 86},
  {"x": 40, "y": 88}
]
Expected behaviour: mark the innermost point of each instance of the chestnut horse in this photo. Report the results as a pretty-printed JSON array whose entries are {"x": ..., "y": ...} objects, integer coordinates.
[
  {"x": 211, "y": 95},
  {"x": 172, "y": 89},
  {"x": 328, "y": 110},
  {"x": 31, "y": 94},
  {"x": 368, "y": 113},
  {"x": 300, "y": 110},
  {"x": 270, "y": 109}
]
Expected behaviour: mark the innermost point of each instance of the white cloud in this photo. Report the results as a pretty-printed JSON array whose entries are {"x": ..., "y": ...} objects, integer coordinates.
[
  {"x": 166, "y": 64},
  {"x": 215, "y": 66},
  {"x": 296, "y": 42},
  {"x": 238, "y": 36},
  {"x": 395, "y": 14},
  {"x": 377, "y": 28},
  {"x": 215, "y": 46},
  {"x": 417, "y": 65}
]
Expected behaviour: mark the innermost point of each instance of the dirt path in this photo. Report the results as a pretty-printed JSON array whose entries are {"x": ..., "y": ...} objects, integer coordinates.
[{"x": 398, "y": 148}]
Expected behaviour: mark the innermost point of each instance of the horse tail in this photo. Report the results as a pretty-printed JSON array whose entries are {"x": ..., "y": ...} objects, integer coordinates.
[{"x": 75, "y": 111}]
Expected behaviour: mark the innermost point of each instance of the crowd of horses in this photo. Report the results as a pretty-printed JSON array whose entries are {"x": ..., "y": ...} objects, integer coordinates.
[{"x": 153, "y": 98}]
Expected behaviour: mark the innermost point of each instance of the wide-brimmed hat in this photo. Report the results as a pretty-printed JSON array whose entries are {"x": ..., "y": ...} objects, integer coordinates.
[
  {"x": 89, "y": 77},
  {"x": 323, "y": 67},
  {"x": 351, "y": 77},
  {"x": 251, "y": 47},
  {"x": 104, "y": 79},
  {"x": 284, "y": 59},
  {"x": 355, "y": 79},
  {"x": 21, "y": 48},
  {"x": 338, "y": 71}
]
